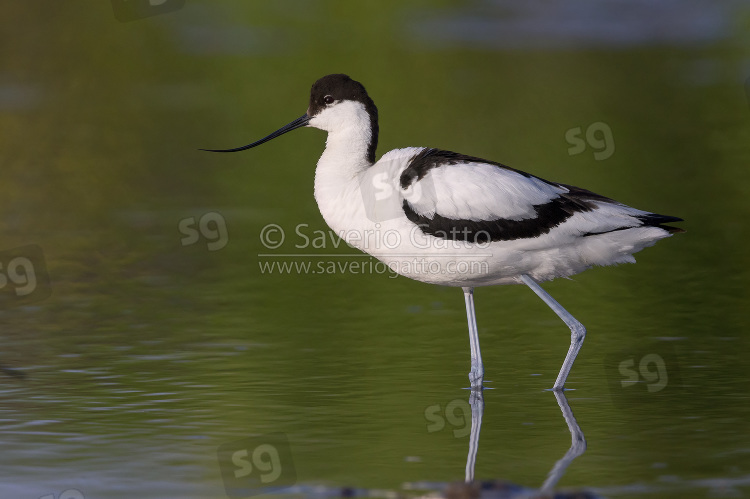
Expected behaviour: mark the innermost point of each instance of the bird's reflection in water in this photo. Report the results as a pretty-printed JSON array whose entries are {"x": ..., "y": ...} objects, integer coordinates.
[
  {"x": 498, "y": 489},
  {"x": 471, "y": 489}
]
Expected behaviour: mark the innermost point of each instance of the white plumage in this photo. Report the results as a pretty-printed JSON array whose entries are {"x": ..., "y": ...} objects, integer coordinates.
[
  {"x": 474, "y": 191},
  {"x": 482, "y": 191},
  {"x": 455, "y": 220}
]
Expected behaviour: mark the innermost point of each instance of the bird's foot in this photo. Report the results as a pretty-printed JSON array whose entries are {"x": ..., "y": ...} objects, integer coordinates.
[
  {"x": 476, "y": 376},
  {"x": 559, "y": 389}
]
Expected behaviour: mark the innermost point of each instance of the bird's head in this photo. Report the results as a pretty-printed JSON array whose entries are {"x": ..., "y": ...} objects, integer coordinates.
[{"x": 337, "y": 103}]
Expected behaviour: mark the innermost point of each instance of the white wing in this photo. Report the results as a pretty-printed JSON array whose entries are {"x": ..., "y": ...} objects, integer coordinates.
[
  {"x": 444, "y": 192},
  {"x": 468, "y": 189}
]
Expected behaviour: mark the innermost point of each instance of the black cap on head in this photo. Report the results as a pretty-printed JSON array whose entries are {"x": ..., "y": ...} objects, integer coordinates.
[
  {"x": 341, "y": 87},
  {"x": 325, "y": 91}
]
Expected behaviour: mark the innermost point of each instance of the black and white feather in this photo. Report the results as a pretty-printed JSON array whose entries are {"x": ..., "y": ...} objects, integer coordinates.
[
  {"x": 473, "y": 199},
  {"x": 446, "y": 218},
  {"x": 404, "y": 208},
  {"x": 514, "y": 221}
]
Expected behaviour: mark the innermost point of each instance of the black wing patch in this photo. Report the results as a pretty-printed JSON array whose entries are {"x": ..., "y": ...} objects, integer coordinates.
[
  {"x": 428, "y": 159},
  {"x": 548, "y": 215}
]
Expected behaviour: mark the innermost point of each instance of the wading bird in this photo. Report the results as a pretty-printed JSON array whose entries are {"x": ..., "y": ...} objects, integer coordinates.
[{"x": 446, "y": 218}]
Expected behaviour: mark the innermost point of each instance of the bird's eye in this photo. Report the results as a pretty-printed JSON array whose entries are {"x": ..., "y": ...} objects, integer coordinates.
[{"x": 328, "y": 99}]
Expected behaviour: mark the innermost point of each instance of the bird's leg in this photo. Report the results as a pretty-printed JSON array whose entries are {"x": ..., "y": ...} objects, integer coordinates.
[
  {"x": 577, "y": 331},
  {"x": 476, "y": 375},
  {"x": 476, "y": 400},
  {"x": 577, "y": 446}
]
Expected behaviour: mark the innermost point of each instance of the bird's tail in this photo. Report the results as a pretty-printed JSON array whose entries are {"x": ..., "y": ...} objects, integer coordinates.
[{"x": 656, "y": 220}]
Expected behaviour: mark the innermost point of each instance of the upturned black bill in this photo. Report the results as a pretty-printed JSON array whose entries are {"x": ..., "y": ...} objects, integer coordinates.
[{"x": 299, "y": 122}]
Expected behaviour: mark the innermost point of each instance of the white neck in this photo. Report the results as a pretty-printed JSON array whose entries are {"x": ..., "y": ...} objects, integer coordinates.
[
  {"x": 347, "y": 149},
  {"x": 338, "y": 174}
]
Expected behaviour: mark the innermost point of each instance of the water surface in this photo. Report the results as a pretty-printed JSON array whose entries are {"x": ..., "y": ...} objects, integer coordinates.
[{"x": 158, "y": 338}]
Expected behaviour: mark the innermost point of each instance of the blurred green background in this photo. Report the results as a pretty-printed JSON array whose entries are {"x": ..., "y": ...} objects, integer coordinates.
[{"x": 151, "y": 353}]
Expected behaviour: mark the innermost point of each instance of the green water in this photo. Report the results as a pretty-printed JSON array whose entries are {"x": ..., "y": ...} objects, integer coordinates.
[{"x": 154, "y": 343}]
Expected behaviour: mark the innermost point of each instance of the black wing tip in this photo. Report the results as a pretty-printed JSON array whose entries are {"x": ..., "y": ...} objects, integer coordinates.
[
  {"x": 655, "y": 217},
  {"x": 656, "y": 220}
]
